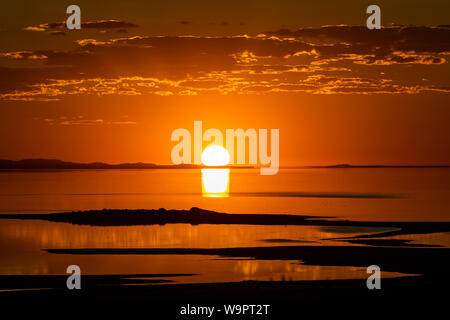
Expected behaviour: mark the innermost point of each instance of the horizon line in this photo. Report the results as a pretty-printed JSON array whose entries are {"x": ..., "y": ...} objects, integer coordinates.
[{"x": 27, "y": 162}]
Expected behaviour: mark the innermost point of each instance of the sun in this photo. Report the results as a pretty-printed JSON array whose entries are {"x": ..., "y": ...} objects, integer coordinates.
[{"x": 215, "y": 156}]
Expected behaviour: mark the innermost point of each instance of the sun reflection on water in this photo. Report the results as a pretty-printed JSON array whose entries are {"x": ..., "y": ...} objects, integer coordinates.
[{"x": 215, "y": 182}]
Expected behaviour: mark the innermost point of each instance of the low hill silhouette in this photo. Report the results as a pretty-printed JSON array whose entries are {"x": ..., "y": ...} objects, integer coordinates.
[{"x": 38, "y": 164}]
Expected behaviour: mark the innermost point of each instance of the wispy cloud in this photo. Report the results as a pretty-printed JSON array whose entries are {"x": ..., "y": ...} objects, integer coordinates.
[
  {"x": 55, "y": 28},
  {"x": 81, "y": 121}
]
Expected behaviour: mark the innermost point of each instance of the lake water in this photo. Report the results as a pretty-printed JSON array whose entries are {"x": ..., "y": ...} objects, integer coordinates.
[
  {"x": 355, "y": 194},
  {"x": 411, "y": 194}
]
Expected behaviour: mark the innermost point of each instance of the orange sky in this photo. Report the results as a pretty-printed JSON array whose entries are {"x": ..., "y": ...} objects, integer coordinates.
[{"x": 116, "y": 89}]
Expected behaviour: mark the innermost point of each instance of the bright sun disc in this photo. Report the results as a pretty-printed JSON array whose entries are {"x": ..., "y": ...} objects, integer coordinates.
[{"x": 215, "y": 156}]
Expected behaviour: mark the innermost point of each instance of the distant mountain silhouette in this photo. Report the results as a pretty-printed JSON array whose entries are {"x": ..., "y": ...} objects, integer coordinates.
[
  {"x": 49, "y": 164},
  {"x": 40, "y": 164},
  {"x": 54, "y": 164},
  {"x": 350, "y": 166}
]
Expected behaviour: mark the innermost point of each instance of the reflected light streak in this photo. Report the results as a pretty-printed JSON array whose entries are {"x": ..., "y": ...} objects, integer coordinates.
[{"x": 215, "y": 182}]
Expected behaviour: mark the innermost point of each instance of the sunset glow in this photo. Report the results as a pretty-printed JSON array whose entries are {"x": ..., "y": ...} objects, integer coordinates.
[{"x": 225, "y": 159}]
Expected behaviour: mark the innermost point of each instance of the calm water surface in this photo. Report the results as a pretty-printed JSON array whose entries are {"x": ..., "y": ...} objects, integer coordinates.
[
  {"x": 411, "y": 194},
  {"x": 356, "y": 194}
]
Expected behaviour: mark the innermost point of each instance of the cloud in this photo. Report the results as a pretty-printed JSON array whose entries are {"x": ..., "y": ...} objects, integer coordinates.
[
  {"x": 395, "y": 58},
  {"x": 31, "y": 28},
  {"x": 25, "y": 55},
  {"x": 57, "y": 33},
  {"x": 398, "y": 38},
  {"x": 325, "y": 60},
  {"x": 55, "y": 27},
  {"x": 80, "y": 121}
]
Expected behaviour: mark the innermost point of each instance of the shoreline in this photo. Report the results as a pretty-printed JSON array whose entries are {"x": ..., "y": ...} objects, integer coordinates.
[{"x": 197, "y": 216}]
